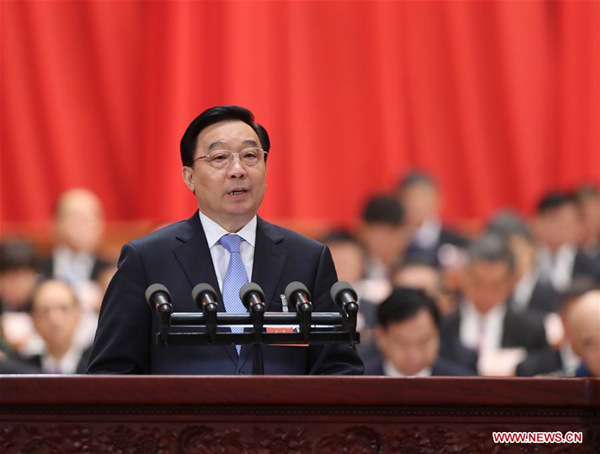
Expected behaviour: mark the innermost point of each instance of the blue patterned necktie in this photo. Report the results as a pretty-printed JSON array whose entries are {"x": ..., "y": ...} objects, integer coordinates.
[{"x": 235, "y": 277}]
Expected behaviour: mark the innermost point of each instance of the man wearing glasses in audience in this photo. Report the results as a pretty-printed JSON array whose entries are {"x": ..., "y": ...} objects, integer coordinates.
[{"x": 224, "y": 155}]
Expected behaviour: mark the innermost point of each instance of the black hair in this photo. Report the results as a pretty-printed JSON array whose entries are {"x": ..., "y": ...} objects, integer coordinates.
[
  {"x": 492, "y": 248},
  {"x": 17, "y": 254},
  {"x": 507, "y": 223},
  {"x": 405, "y": 303},
  {"x": 554, "y": 200},
  {"x": 339, "y": 235},
  {"x": 413, "y": 259},
  {"x": 383, "y": 209},
  {"x": 214, "y": 115},
  {"x": 38, "y": 286}
]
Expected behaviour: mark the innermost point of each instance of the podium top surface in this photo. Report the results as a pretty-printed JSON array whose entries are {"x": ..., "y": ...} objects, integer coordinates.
[{"x": 296, "y": 390}]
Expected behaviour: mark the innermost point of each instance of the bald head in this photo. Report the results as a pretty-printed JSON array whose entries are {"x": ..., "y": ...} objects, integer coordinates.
[
  {"x": 79, "y": 220},
  {"x": 583, "y": 329}
]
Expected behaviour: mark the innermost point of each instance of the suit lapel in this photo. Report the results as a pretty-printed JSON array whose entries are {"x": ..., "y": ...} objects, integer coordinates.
[
  {"x": 194, "y": 257},
  {"x": 270, "y": 257}
]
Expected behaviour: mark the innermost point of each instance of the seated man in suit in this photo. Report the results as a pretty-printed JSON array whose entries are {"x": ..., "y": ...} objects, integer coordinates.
[
  {"x": 420, "y": 199},
  {"x": 56, "y": 314},
  {"x": 485, "y": 324},
  {"x": 530, "y": 291},
  {"x": 561, "y": 360},
  {"x": 583, "y": 326},
  {"x": 78, "y": 228},
  {"x": 408, "y": 338},
  {"x": 225, "y": 244},
  {"x": 559, "y": 229},
  {"x": 381, "y": 231}
]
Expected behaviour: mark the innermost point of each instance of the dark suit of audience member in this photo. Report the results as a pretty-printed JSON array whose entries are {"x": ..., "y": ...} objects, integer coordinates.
[
  {"x": 224, "y": 155},
  {"x": 485, "y": 323},
  {"x": 519, "y": 330},
  {"x": 408, "y": 338},
  {"x": 547, "y": 362},
  {"x": 374, "y": 365}
]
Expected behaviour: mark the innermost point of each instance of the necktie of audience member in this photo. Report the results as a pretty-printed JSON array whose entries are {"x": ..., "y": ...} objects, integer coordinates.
[{"x": 235, "y": 278}]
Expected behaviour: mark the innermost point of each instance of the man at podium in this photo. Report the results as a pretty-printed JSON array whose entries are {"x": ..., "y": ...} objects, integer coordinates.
[{"x": 225, "y": 244}]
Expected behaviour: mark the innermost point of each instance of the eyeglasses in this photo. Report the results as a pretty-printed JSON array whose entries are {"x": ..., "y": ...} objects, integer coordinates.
[{"x": 220, "y": 159}]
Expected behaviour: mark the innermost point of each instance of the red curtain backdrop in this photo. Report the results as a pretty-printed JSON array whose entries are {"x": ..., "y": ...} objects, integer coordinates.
[{"x": 498, "y": 100}]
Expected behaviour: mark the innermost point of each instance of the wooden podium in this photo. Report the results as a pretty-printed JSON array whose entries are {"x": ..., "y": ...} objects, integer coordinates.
[{"x": 201, "y": 414}]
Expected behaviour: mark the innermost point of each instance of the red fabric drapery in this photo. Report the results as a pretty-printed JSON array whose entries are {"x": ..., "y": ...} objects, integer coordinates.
[{"x": 498, "y": 100}]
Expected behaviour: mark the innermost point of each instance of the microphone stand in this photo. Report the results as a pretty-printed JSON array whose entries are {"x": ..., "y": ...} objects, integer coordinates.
[{"x": 257, "y": 313}]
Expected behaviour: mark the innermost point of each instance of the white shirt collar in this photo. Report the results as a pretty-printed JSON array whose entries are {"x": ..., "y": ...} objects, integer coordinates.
[
  {"x": 481, "y": 332},
  {"x": 67, "y": 364},
  {"x": 391, "y": 371},
  {"x": 428, "y": 234},
  {"x": 214, "y": 231}
]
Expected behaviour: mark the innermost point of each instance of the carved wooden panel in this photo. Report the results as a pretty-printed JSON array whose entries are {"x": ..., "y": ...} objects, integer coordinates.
[{"x": 112, "y": 415}]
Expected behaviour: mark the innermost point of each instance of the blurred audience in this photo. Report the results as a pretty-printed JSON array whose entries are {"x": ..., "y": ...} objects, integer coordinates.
[
  {"x": 486, "y": 333},
  {"x": 418, "y": 273},
  {"x": 530, "y": 291},
  {"x": 559, "y": 230},
  {"x": 56, "y": 314},
  {"x": 522, "y": 299},
  {"x": 78, "y": 230},
  {"x": 588, "y": 201},
  {"x": 560, "y": 361},
  {"x": 583, "y": 328},
  {"x": 18, "y": 276},
  {"x": 382, "y": 234},
  {"x": 421, "y": 201},
  {"x": 408, "y": 338}
]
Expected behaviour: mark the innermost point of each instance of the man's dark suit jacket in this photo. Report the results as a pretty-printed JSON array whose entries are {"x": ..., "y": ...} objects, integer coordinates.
[
  {"x": 541, "y": 363},
  {"x": 519, "y": 329},
  {"x": 178, "y": 257},
  {"x": 441, "y": 367}
]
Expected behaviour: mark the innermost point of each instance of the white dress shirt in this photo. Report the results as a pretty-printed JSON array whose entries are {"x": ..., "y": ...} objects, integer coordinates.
[
  {"x": 65, "y": 365},
  {"x": 524, "y": 290},
  {"x": 428, "y": 233},
  {"x": 220, "y": 255},
  {"x": 558, "y": 267},
  {"x": 481, "y": 332},
  {"x": 73, "y": 267}
]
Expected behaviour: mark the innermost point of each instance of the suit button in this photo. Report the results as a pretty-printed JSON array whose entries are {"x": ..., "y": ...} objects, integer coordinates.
[{"x": 239, "y": 372}]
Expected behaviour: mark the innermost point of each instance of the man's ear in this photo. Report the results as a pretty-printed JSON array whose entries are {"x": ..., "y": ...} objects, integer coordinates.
[{"x": 187, "y": 173}]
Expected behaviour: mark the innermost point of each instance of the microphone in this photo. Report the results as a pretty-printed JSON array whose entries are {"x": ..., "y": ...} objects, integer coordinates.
[
  {"x": 159, "y": 299},
  {"x": 253, "y": 297},
  {"x": 344, "y": 296},
  {"x": 205, "y": 297},
  {"x": 298, "y": 294}
]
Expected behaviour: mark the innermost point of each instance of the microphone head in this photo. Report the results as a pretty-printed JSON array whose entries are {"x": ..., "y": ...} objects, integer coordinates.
[
  {"x": 202, "y": 288},
  {"x": 294, "y": 287},
  {"x": 248, "y": 288},
  {"x": 154, "y": 288},
  {"x": 338, "y": 288}
]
